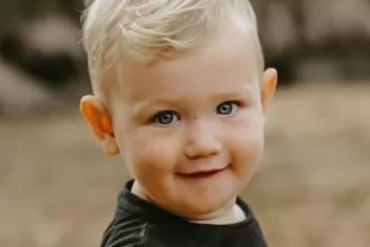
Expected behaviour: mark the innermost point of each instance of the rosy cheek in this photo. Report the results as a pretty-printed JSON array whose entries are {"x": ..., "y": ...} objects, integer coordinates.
[
  {"x": 247, "y": 143},
  {"x": 155, "y": 155}
]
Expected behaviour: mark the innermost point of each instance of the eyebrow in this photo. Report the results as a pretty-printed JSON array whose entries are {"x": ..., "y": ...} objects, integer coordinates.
[
  {"x": 142, "y": 108},
  {"x": 152, "y": 105},
  {"x": 159, "y": 101},
  {"x": 245, "y": 92},
  {"x": 241, "y": 94}
]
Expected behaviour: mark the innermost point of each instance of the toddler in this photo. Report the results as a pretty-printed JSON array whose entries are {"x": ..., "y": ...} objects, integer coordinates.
[{"x": 181, "y": 93}]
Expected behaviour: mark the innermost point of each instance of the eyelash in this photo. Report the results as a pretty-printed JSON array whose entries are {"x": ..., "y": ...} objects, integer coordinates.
[
  {"x": 154, "y": 119},
  {"x": 234, "y": 104}
]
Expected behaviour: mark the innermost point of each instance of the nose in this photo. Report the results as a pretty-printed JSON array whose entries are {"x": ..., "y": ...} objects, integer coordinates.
[{"x": 202, "y": 141}]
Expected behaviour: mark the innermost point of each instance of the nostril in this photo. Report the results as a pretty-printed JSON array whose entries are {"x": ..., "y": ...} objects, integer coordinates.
[{"x": 199, "y": 151}]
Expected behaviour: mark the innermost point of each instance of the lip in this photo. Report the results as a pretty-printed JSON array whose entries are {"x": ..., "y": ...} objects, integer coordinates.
[{"x": 203, "y": 174}]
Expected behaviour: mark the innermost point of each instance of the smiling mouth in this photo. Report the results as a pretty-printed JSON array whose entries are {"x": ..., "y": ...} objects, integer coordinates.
[{"x": 205, "y": 174}]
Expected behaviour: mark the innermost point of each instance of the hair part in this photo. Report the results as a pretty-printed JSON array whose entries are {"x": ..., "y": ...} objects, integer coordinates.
[{"x": 150, "y": 30}]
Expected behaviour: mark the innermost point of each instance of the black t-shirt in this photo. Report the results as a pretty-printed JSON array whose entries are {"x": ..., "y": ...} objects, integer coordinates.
[{"x": 138, "y": 223}]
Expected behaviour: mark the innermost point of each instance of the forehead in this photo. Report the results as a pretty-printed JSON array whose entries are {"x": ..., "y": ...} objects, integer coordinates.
[{"x": 221, "y": 63}]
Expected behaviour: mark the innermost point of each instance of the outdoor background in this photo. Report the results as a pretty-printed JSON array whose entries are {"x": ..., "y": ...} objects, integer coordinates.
[{"x": 313, "y": 188}]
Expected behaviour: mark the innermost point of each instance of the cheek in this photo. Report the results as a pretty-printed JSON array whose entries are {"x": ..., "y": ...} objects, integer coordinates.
[
  {"x": 149, "y": 152},
  {"x": 247, "y": 144}
]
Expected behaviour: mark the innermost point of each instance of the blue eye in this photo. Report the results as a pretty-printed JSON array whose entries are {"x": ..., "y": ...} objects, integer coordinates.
[
  {"x": 227, "y": 108},
  {"x": 166, "y": 117}
]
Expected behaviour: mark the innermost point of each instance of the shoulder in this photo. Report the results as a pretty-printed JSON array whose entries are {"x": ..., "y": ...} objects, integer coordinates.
[
  {"x": 136, "y": 233},
  {"x": 126, "y": 233},
  {"x": 137, "y": 223}
]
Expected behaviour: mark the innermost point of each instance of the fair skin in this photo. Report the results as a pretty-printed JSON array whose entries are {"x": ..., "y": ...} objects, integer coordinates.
[{"x": 190, "y": 129}]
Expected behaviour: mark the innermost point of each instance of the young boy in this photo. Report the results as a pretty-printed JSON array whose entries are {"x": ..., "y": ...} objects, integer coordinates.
[{"x": 180, "y": 93}]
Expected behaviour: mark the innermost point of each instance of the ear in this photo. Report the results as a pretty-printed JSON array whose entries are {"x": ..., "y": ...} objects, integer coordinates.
[
  {"x": 268, "y": 88},
  {"x": 99, "y": 120}
]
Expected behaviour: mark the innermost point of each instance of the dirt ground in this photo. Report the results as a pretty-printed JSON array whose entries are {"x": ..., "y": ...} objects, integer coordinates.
[{"x": 313, "y": 189}]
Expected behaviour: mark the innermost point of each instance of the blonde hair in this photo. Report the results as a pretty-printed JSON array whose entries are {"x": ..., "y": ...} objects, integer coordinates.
[{"x": 150, "y": 30}]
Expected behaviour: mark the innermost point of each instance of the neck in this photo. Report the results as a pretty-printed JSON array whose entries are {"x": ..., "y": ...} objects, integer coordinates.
[{"x": 230, "y": 215}]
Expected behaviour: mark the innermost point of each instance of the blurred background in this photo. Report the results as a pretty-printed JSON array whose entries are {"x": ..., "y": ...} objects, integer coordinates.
[{"x": 313, "y": 189}]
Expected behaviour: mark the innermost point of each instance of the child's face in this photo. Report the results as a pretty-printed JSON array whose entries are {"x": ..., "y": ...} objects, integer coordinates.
[{"x": 191, "y": 130}]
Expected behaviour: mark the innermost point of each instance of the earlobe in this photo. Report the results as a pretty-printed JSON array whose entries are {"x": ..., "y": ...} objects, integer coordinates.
[
  {"x": 268, "y": 89},
  {"x": 109, "y": 145},
  {"x": 99, "y": 120}
]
